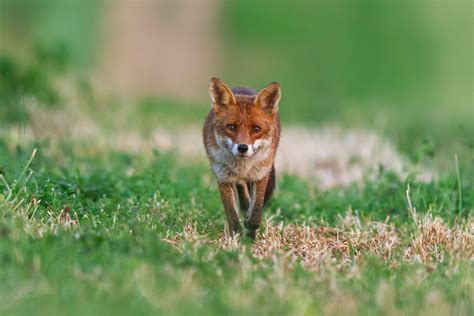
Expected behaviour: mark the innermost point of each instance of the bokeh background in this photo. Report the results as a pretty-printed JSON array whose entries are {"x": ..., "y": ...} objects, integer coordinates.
[{"x": 401, "y": 68}]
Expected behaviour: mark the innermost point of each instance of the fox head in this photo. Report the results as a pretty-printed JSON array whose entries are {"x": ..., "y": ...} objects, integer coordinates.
[{"x": 244, "y": 123}]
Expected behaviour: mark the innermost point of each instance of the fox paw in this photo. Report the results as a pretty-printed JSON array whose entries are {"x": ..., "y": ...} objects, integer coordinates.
[
  {"x": 252, "y": 234},
  {"x": 250, "y": 226},
  {"x": 251, "y": 229}
]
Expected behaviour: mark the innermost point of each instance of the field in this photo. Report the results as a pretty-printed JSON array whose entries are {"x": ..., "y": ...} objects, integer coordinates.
[
  {"x": 97, "y": 219},
  {"x": 108, "y": 204}
]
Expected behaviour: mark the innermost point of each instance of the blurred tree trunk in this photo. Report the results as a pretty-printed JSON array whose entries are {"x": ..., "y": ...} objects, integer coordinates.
[{"x": 159, "y": 47}]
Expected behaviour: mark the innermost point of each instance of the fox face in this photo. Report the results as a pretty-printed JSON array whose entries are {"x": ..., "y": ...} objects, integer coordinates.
[{"x": 244, "y": 121}]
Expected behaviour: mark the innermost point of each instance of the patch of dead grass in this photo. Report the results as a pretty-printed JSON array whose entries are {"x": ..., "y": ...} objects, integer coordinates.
[
  {"x": 348, "y": 242},
  {"x": 434, "y": 240}
]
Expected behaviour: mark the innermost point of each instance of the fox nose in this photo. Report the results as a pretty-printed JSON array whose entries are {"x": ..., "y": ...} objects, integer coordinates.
[{"x": 242, "y": 148}]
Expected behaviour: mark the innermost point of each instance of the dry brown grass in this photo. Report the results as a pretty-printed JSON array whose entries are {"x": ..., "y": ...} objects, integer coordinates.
[
  {"x": 332, "y": 252},
  {"x": 348, "y": 242},
  {"x": 433, "y": 240}
]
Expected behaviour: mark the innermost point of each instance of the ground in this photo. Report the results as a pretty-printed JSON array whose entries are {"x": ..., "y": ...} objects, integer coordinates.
[
  {"x": 107, "y": 202},
  {"x": 101, "y": 220}
]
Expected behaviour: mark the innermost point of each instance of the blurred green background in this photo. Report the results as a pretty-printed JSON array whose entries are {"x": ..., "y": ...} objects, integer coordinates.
[{"x": 402, "y": 68}]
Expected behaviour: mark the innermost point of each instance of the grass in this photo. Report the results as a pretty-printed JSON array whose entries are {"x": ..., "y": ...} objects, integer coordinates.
[{"x": 89, "y": 230}]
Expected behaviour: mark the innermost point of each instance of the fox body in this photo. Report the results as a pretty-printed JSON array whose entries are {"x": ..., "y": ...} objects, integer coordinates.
[{"x": 241, "y": 136}]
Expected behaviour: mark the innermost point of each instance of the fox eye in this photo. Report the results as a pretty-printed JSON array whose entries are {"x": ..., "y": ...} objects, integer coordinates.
[
  {"x": 256, "y": 129},
  {"x": 231, "y": 127}
]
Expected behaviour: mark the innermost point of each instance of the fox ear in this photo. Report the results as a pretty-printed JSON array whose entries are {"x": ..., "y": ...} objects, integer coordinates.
[
  {"x": 221, "y": 95},
  {"x": 269, "y": 97}
]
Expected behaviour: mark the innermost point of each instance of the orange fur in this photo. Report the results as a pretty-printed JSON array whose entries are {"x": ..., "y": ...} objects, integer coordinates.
[{"x": 241, "y": 136}]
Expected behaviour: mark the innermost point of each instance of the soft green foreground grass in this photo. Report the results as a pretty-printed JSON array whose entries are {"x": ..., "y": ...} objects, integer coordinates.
[{"x": 143, "y": 234}]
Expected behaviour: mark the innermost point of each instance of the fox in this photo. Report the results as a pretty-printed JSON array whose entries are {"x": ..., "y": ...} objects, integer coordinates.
[{"x": 241, "y": 135}]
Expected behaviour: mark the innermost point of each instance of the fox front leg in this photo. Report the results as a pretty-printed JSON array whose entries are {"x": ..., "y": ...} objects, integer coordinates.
[
  {"x": 257, "y": 199},
  {"x": 244, "y": 196},
  {"x": 229, "y": 199}
]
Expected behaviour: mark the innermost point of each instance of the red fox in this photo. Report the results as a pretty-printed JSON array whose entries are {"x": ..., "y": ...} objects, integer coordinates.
[{"x": 241, "y": 135}]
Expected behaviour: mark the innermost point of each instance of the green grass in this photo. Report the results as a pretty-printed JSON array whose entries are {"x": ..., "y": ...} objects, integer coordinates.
[
  {"x": 86, "y": 229},
  {"x": 118, "y": 259}
]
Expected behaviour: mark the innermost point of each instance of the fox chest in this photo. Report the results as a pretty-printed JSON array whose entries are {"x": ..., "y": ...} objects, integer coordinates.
[{"x": 228, "y": 168}]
